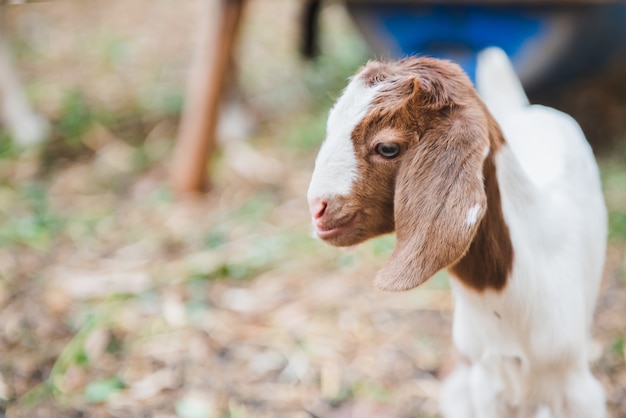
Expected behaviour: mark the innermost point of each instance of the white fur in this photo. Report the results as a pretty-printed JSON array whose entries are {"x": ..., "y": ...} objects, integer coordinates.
[
  {"x": 533, "y": 352},
  {"x": 337, "y": 154},
  {"x": 498, "y": 83},
  {"x": 472, "y": 215}
]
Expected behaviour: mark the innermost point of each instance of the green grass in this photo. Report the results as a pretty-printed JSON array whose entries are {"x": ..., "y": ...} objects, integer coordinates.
[
  {"x": 614, "y": 184},
  {"x": 77, "y": 116},
  {"x": 30, "y": 220},
  {"x": 100, "y": 390}
]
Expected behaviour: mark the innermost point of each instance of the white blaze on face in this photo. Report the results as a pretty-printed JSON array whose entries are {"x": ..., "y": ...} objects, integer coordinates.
[{"x": 336, "y": 164}]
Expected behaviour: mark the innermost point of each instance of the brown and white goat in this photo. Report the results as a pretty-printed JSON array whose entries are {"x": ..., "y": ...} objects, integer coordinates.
[{"x": 511, "y": 205}]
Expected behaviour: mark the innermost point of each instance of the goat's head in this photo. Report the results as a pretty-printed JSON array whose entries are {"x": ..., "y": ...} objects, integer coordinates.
[{"x": 404, "y": 151}]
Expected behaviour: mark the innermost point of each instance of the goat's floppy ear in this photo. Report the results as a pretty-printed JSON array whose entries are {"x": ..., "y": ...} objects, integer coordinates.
[{"x": 439, "y": 202}]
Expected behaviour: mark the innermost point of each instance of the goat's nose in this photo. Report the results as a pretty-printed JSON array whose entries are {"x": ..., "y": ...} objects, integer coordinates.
[{"x": 317, "y": 207}]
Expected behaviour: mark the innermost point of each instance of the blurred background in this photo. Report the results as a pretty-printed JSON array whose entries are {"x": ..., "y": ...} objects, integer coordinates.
[{"x": 120, "y": 297}]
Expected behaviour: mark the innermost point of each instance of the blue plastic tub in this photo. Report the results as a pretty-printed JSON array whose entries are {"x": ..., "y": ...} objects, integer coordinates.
[{"x": 548, "y": 44}]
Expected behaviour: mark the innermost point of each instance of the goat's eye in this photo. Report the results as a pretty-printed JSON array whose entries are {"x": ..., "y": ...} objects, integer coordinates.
[{"x": 388, "y": 150}]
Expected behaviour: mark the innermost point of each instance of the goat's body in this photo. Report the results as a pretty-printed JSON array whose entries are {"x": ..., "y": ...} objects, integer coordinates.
[
  {"x": 509, "y": 200},
  {"x": 527, "y": 344}
]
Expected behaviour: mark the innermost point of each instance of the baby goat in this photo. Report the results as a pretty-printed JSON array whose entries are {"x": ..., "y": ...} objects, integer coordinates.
[{"x": 507, "y": 199}]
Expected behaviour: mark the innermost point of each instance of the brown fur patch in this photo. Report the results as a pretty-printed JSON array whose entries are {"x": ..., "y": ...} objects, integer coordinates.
[{"x": 489, "y": 259}]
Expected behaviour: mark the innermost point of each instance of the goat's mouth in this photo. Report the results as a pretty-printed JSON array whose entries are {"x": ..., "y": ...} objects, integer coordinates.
[{"x": 332, "y": 230}]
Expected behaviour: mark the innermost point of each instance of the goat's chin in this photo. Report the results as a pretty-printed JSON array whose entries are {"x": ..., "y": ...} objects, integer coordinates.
[
  {"x": 345, "y": 240},
  {"x": 352, "y": 229},
  {"x": 350, "y": 236},
  {"x": 342, "y": 236}
]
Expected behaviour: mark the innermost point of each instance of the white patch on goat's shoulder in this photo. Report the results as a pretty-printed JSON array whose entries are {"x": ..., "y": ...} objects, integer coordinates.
[
  {"x": 336, "y": 164},
  {"x": 472, "y": 215}
]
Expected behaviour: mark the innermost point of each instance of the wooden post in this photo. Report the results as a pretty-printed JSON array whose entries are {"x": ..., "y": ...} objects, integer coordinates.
[{"x": 196, "y": 136}]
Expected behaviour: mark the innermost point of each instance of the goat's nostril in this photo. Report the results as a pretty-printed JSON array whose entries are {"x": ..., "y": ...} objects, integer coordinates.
[{"x": 317, "y": 208}]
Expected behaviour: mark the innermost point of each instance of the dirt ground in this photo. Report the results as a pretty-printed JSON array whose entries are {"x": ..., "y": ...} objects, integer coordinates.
[{"x": 119, "y": 299}]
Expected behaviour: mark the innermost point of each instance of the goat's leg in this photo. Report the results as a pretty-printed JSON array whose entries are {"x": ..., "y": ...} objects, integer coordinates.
[
  {"x": 486, "y": 388},
  {"x": 583, "y": 398},
  {"x": 196, "y": 136},
  {"x": 455, "y": 397},
  {"x": 26, "y": 127},
  {"x": 476, "y": 391}
]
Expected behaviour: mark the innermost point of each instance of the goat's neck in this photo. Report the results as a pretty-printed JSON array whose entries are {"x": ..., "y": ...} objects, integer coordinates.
[{"x": 489, "y": 259}]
